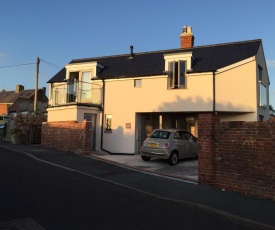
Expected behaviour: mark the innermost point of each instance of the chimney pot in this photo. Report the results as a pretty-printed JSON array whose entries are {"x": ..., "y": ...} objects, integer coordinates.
[
  {"x": 19, "y": 88},
  {"x": 187, "y": 38}
]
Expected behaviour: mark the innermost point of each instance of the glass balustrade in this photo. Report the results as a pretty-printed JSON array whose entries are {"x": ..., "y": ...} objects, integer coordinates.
[{"x": 76, "y": 92}]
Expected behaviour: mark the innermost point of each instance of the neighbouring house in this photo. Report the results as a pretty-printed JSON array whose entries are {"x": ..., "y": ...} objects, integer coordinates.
[
  {"x": 22, "y": 101},
  {"x": 127, "y": 96}
]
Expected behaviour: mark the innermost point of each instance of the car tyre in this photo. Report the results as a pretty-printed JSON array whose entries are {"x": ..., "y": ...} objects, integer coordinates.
[
  {"x": 173, "y": 159},
  {"x": 145, "y": 158}
]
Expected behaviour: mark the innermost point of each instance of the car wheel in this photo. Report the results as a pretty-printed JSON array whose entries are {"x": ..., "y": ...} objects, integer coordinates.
[
  {"x": 173, "y": 159},
  {"x": 145, "y": 158}
]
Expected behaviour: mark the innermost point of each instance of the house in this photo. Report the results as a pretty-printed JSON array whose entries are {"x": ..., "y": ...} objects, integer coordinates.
[
  {"x": 22, "y": 101},
  {"x": 127, "y": 96}
]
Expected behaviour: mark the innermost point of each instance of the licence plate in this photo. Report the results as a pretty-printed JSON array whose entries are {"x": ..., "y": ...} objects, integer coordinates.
[{"x": 153, "y": 145}]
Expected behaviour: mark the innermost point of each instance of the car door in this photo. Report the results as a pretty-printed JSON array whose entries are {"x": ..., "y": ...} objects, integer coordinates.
[
  {"x": 191, "y": 145},
  {"x": 183, "y": 144},
  {"x": 179, "y": 145}
]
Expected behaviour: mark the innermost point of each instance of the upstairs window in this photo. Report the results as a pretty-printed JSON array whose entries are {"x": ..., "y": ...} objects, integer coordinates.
[
  {"x": 177, "y": 74},
  {"x": 85, "y": 90},
  {"x": 137, "y": 83},
  {"x": 73, "y": 87},
  {"x": 260, "y": 70},
  {"x": 263, "y": 95}
]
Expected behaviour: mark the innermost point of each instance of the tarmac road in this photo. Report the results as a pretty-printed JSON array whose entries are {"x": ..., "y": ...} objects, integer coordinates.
[
  {"x": 252, "y": 212},
  {"x": 35, "y": 195}
]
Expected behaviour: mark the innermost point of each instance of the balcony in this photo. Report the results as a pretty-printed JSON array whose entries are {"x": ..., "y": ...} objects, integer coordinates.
[{"x": 77, "y": 92}]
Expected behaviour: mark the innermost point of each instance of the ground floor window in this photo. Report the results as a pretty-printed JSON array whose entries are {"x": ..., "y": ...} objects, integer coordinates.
[{"x": 108, "y": 122}]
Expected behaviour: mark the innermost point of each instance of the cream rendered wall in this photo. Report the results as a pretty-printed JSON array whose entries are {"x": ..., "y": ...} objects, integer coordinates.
[
  {"x": 153, "y": 95},
  {"x": 236, "y": 91},
  {"x": 62, "y": 114},
  {"x": 70, "y": 113},
  {"x": 123, "y": 101}
]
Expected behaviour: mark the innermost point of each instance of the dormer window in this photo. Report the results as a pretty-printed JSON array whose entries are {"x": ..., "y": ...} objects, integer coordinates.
[
  {"x": 177, "y": 72},
  {"x": 176, "y": 66},
  {"x": 86, "y": 85}
]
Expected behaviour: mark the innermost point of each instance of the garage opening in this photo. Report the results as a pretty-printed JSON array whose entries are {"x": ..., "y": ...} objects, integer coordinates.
[{"x": 147, "y": 122}]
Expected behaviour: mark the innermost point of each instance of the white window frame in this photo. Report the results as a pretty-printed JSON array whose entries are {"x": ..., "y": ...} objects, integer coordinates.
[
  {"x": 137, "y": 83},
  {"x": 178, "y": 57},
  {"x": 85, "y": 96},
  {"x": 175, "y": 74},
  {"x": 263, "y": 95}
]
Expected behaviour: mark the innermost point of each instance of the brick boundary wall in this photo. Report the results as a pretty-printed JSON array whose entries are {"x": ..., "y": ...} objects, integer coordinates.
[
  {"x": 237, "y": 156},
  {"x": 19, "y": 127},
  {"x": 68, "y": 136}
]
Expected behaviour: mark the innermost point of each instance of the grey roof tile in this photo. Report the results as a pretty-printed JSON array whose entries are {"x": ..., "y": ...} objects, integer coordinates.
[{"x": 207, "y": 58}]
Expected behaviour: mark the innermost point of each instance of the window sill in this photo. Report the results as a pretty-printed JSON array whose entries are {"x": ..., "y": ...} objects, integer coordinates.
[
  {"x": 108, "y": 131},
  {"x": 183, "y": 87}
]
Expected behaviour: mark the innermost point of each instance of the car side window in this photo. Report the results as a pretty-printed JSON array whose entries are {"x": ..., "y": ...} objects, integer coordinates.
[
  {"x": 181, "y": 135},
  {"x": 177, "y": 135},
  {"x": 187, "y": 136}
]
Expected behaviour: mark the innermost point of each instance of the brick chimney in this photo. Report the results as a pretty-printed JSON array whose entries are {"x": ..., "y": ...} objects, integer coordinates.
[
  {"x": 186, "y": 37},
  {"x": 19, "y": 88}
]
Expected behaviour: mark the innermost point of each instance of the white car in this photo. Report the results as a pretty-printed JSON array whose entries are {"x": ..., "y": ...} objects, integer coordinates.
[{"x": 170, "y": 144}]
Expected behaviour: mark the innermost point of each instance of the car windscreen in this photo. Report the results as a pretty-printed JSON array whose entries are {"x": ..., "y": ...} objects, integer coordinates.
[{"x": 160, "y": 134}]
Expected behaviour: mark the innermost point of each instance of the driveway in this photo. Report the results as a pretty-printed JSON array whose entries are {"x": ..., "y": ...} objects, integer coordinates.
[{"x": 185, "y": 169}]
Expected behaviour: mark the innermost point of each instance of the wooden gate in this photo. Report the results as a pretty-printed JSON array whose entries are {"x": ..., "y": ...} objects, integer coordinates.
[{"x": 35, "y": 134}]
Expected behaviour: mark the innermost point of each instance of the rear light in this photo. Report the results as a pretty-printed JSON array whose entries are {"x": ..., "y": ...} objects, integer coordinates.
[{"x": 166, "y": 145}]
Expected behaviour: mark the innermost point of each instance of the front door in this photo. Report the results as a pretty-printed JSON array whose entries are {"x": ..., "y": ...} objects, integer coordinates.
[{"x": 92, "y": 118}]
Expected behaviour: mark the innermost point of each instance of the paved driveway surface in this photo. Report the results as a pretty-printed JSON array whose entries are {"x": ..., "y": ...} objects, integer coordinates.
[{"x": 185, "y": 169}]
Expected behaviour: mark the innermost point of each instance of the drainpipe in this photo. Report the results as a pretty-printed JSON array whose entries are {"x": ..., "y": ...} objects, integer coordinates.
[
  {"x": 214, "y": 91},
  {"x": 102, "y": 119},
  {"x": 214, "y": 109}
]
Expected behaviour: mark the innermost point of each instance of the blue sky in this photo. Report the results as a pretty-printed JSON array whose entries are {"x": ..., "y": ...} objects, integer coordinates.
[{"x": 59, "y": 31}]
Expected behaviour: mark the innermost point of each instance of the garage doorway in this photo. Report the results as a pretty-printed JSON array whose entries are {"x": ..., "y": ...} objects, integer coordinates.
[{"x": 147, "y": 122}]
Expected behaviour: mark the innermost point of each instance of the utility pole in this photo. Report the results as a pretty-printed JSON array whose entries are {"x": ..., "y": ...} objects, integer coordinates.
[{"x": 36, "y": 84}]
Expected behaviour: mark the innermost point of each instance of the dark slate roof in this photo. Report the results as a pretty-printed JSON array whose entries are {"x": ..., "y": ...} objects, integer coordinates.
[
  {"x": 9, "y": 97},
  {"x": 206, "y": 58}
]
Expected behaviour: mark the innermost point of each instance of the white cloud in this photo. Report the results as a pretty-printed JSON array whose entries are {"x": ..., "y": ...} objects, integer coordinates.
[{"x": 270, "y": 63}]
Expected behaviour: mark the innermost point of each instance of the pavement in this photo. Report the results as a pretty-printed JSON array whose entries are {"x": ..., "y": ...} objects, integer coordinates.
[{"x": 156, "y": 178}]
